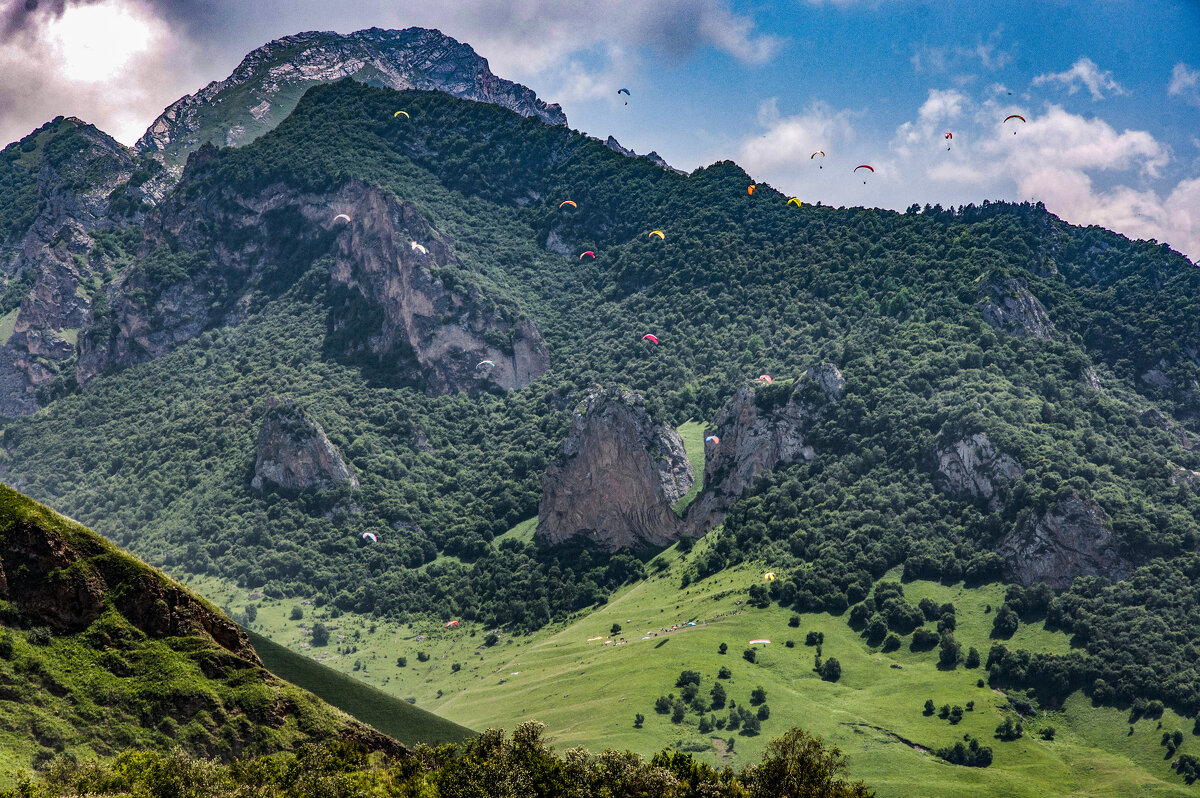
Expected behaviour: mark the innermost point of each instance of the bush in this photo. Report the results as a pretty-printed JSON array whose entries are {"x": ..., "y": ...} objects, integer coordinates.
[
  {"x": 678, "y": 712},
  {"x": 615, "y": 630},
  {"x": 638, "y": 720},
  {"x": 924, "y": 639},
  {"x": 1047, "y": 733},
  {"x": 422, "y": 656},
  {"x": 972, "y": 658},
  {"x": 750, "y": 655},
  {"x": 688, "y": 677},
  {"x": 794, "y": 621},
  {"x": 972, "y": 755},
  {"x": 764, "y": 712},
  {"x": 1009, "y": 731},
  {"x": 891, "y": 642},
  {"x": 663, "y": 705},
  {"x": 320, "y": 634},
  {"x": 751, "y": 725},
  {"x": 401, "y": 662},
  {"x": 1005, "y": 624},
  {"x": 42, "y": 636},
  {"x": 724, "y": 673},
  {"x": 789, "y": 643},
  {"x": 948, "y": 651},
  {"x": 721, "y": 649},
  {"x": 297, "y": 613},
  {"x": 757, "y": 696},
  {"x": 831, "y": 671},
  {"x": 456, "y": 667},
  {"x": 929, "y": 708},
  {"x": 718, "y": 696},
  {"x": 814, "y": 638},
  {"x": 491, "y": 639}
]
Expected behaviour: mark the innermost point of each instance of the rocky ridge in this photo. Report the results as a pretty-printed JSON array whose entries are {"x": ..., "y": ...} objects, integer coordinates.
[
  {"x": 267, "y": 84},
  {"x": 973, "y": 468},
  {"x": 617, "y": 476},
  {"x": 1007, "y": 304},
  {"x": 760, "y": 428},
  {"x": 294, "y": 453}
]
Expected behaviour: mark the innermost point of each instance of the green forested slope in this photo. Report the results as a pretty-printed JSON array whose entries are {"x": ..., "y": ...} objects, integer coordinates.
[{"x": 160, "y": 455}]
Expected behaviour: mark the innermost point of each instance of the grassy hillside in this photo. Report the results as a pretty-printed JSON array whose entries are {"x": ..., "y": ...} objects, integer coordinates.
[
  {"x": 1100, "y": 406},
  {"x": 588, "y": 693},
  {"x": 395, "y": 718}
]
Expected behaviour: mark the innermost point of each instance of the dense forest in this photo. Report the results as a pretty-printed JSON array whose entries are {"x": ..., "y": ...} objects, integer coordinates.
[{"x": 1102, "y": 407}]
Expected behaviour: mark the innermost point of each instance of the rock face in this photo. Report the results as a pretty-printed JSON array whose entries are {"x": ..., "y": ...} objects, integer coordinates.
[
  {"x": 79, "y": 180},
  {"x": 389, "y": 301},
  {"x": 1007, "y": 305},
  {"x": 266, "y": 86},
  {"x": 1072, "y": 538},
  {"x": 617, "y": 475},
  {"x": 294, "y": 454},
  {"x": 760, "y": 428},
  {"x": 652, "y": 157},
  {"x": 972, "y": 468}
]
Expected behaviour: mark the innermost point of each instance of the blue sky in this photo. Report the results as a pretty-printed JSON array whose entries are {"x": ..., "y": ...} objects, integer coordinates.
[{"x": 1111, "y": 89}]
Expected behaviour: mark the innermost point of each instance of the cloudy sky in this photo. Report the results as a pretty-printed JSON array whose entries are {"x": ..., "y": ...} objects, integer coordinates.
[{"x": 1110, "y": 88}]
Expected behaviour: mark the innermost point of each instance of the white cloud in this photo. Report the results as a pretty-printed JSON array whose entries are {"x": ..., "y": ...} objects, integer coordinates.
[
  {"x": 1185, "y": 82},
  {"x": 986, "y": 52},
  {"x": 784, "y": 141},
  {"x": 1083, "y": 72}
]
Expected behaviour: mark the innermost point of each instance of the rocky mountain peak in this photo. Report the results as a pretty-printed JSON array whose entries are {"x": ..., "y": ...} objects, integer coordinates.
[
  {"x": 617, "y": 476},
  {"x": 294, "y": 453},
  {"x": 268, "y": 83}
]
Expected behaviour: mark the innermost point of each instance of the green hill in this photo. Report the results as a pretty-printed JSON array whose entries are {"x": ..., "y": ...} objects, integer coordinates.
[{"x": 1072, "y": 351}]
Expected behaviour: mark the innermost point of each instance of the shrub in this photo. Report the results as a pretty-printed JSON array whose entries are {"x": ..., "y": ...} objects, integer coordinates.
[
  {"x": 831, "y": 671},
  {"x": 297, "y": 613},
  {"x": 638, "y": 720},
  {"x": 750, "y": 655},
  {"x": 491, "y": 639}
]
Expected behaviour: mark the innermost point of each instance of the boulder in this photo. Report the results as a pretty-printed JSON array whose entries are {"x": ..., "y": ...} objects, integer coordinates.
[
  {"x": 1073, "y": 537},
  {"x": 294, "y": 454}
]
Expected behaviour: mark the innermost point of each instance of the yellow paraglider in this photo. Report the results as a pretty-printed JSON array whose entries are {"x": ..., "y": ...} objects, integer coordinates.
[
  {"x": 750, "y": 189},
  {"x": 568, "y": 202},
  {"x": 796, "y": 202},
  {"x": 658, "y": 233},
  {"x": 769, "y": 576},
  {"x": 401, "y": 113},
  {"x": 340, "y": 217}
]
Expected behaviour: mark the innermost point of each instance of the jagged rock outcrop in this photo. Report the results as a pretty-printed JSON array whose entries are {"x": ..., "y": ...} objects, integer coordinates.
[
  {"x": 1153, "y": 417},
  {"x": 293, "y": 452},
  {"x": 76, "y": 180},
  {"x": 760, "y": 428},
  {"x": 652, "y": 156},
  {"x": 1073, "y": 537},
  {"x": 1008, "y": 305},
  {"x": 973, "y": 468},
  {"x": 617, "y": 475},
  {"x": 268, "y": 83},
  {"x": 389, "y": 299}
]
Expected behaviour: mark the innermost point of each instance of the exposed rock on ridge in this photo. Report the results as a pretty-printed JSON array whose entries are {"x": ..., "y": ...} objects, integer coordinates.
[
  {"x": 760, "y": 428},
  {"x": 1073, "y": 537},
  {"x": 652, "y": 156},
  {"x": 972, "y": 468},
  {"x": 1008, "y": 305},
  {"x": 269, "y": 81},
  {"x": 617, "y": 476},
  {"x": 294, "y": 453}
]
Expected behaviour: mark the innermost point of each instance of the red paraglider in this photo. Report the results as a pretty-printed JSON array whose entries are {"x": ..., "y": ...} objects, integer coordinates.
[
  {"x": 589, "y": 252},
  {"x": 865, "y": 166},
  {"x": 651, "y": 338},
  {"x": 765, "y": 378}
]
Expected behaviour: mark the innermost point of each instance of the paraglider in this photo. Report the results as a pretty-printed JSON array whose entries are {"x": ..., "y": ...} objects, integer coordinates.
[
  {"x": 1011, "y": 117},
  {"x": 340, "y": 217},
  {"x": 796, "y": 202},
  {"x": 488, "y": 363},
  {"x": 949, "y": 137},
  {"x": 568, "y": 202},
  {"x": 401, "y": 113},
  {"x": 765, "y": 378},
  {"x": 865, "y": 166},
  {"x": 760, "y": 641},
  {"x": 415, "y": 247},
  {"x": 451, "y": 624},
  {"x": 769, "y": 576},
  {"x": 659, "y": 233},
  {"x": 713, "y": 439},
  {"x": 625, "y": 92},
  {"x": 651, "y": 338},
  {"x": 589, "y": 252},
  {"x": 370, "y": 536},
  {"x": 750, "y": 189},
  {"x": 814, "y": 155}
]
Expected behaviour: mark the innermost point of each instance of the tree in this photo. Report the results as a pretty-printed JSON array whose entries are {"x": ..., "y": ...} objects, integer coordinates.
[
  {"x": 794, "y": 621},
  {"x": 422, "y": 656},
  {"x": 251, "y": 613},
  {"x": 401, "y": 662},
  {"x": 663, "y": 705},
  {"x": 956, "y": 713},
  {"x": 891, "y": 642},
  {"x": 750, "y": 655},
  {"x": 948, "y": 651},
  {"x": 929, "y": 708},
  {"x": 491, "y": 639},
  {"x": 718, "y": 696},
  {"x": 456, "y": 667},
  {"x": 799, "y": 764},
  {"x": 678, "y": 712},
  {"x": 831, "y": 671},
  {"x": 1047, "y": 733},
  {"x": 764, "y": 712},
  {"x": 688, "y": 677},
  {"x": 751, "y": 725},
  {"x": 320, "y": 634},
  {"x": 814, "y": 638},
  {"x": 1009, "y": 731},
  {"x": 615, "y": 630},
  {"x": 972, "y": 658},
  {"x": 724, "y": 673},
  {"x": 297, "y": 613},
  {"x": 944, "y": 712},
  {"x": 638, "y": 720},
  {"x": 722, "y": 648},
  {"x": 706, "y": 725},
  {"x": 1005, "y": 623}
]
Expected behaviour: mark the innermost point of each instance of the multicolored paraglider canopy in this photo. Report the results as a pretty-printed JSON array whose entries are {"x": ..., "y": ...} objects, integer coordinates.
[
  {"x": 760, "y": 641},
  {"x": 401, "y": 113},
  {"x": 417, "y": 248},
  {"x": 589, "y": 252},
  {"x": 769, "y": 576},
  {"x": 623, "y": 91},
  {"x": 340, "y": 217},
  {"x": 765, "y": 378},
  {"x": 1011, "y": 117},
  {"x": 568, "y": 202},
  {"x": 713, "y": 439},
  {"x": 451, "y": 624},
  {"x": 750, "y": 189},
  {"x": 483, "y": 363},
  {"x": 370, "y": 536},
  {"x": 651, "y": 338},
  {"x": 658, "y": 233}
]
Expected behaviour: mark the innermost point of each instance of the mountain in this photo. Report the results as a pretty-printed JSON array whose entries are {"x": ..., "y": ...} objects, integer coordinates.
[
  {"x": 269, "y": 82},
  {"x": 985, "y": 397},
  {"x": 99, "y": 652}
]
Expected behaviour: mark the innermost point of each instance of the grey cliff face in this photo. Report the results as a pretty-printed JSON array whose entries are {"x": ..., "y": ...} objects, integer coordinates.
[
  {"x": 84, "y": 182},
  {"x": 972, "y": 468},
  {"x": 617, "y": 476},
  {"x": 1071, "y": 538},
  {"x": 389, "y": 302},
  {"x": 759, "y": 429},
  {"x": 1008, "y": 305},
  {"x": 268, "y": 83},
  {"x": 293, "y": 452}
]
